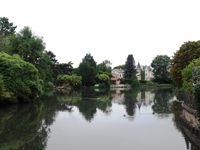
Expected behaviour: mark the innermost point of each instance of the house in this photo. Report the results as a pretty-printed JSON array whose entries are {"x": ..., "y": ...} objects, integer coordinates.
[
  {"x": 147, "y": 70},
  {"x": 117, "y": 75}
]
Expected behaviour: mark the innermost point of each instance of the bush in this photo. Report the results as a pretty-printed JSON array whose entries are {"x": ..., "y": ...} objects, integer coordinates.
[
  {"x": 187, "y": 74},
  {"x": 197, "y": 92},
  {"x": 103, "y": 79},
  {"x": 133, "y": 81},
  {"x": 74, "y": 80},
  {"x": 19, "y": 79}
]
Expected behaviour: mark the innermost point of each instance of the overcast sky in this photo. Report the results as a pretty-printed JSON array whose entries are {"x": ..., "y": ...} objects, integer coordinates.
[{"x": 108, "y": 29}]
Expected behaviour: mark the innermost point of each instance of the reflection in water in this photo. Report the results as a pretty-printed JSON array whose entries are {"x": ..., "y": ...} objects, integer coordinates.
[
  {"x": 161, "y": 101},
  {"x": 191, "y": 140},
  {"x": 23, "y": 127},
  {"x": 130, "y": 101},
  {"x": 32, "y": 126}
]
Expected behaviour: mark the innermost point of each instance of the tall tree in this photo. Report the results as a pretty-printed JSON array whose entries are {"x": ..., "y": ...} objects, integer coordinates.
[
  {"x": 160, "y": 65},
  {"x": 129, "y": 67},
  {"x": 104, "y": 67},
  {"x": 63, "y": 68},
  {"x": 88, "y": 71},
  {"x": 28, "y": 46},
  {"x": 188, "y": 51},
  {"x": 31, "y": 48},
  {"x": 6, "y": 27},
  {"x": 7, "y": 30}
]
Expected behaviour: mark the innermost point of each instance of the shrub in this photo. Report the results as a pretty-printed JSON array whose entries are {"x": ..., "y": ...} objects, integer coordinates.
[
  {"x": 188, "y": 73},
  {"x": 74, "y": 80},
  {"x": 19, "y": 78}
]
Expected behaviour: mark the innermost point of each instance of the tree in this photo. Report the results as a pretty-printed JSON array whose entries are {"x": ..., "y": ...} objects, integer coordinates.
[
  {"x": 120, "y": 67},
  {"x": 187, "y": 52},
  {"x": 129, "y": 67},
  {"x": 160, "y": 65},
  {"x": 87, "y": 70},
  {"x": 103, "y": 78},
  {"x": 142, "y": 72},
  {"x": 28, "y": 46},
  {"x": 20, "y": 79},
  {"x": 73, "y": 80},
  {"x": 62, "y": 68},
  {"x": 6, "y": 27},
  {"x": 31, "y": 48},
  {"x": 7, "y": 30},
  {"x": 188, "y": 74},
  {"x": 104, "y": 67}
]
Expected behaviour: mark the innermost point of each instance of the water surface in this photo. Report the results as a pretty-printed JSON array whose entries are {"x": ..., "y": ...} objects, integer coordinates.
[{"x": 138, "y": 119}]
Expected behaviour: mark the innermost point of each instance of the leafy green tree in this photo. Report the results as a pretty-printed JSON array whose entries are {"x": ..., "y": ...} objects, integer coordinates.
[
  {"x": 20, "y": 79},
  {"x": 28, "y": 46},
  {"x": 187, "y": 52},
  {"x": 130, "y": 72},
  {"x": 87, "y": 70},
  {"x": 142, "y": 72},
  {"x": 187, "y": 74},
  {"x": 6, "y": 27},
  {"x": 31, "y": 48},
  {"x": 103, "y": 78},
  {"x": 73, "y": 80},
  {"x": 63, "y": 68},
  {"x": 129, "y": 67},
  {"x": 7, "y": 31},
  {"x": 160, "y": 65},
  {"x": 120, "y": 67},
  {"x": 4, "y": 93},
  {"x": 104, "y": 67}
]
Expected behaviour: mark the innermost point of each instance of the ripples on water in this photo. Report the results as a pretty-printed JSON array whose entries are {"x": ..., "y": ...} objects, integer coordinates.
[{"x": 106, "y": 120}]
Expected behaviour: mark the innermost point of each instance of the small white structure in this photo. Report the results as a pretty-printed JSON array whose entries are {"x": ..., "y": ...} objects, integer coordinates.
[
  {"x": 148, "y": 73},
  {"x": 147, "y": 70},
  {"x": 118, "y": 73}
]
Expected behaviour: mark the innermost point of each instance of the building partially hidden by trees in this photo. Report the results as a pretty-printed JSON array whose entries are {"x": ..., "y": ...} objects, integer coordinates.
[{"x": 144, "y": 73}]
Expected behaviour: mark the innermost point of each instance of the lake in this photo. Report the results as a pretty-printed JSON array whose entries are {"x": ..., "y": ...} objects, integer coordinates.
[{"x": 95, "y": 120}]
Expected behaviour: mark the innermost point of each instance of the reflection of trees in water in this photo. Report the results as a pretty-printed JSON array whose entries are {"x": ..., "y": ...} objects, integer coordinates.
[
  {"x": 190, "y": 145},
  {"x": 88, "y": 101},
  {"x": 88, "y": 108},
  {"x": 24, "y": 127},
  {"x": 28, "y": 126},
  {"x": 130, "y": 99},
  {"x": 161, "y": 101}
]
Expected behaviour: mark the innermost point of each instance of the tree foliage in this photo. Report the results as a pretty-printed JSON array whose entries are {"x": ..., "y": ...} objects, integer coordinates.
[
  {"x": 187, "y": 74},
  {"x": 119, "y": 67},
  {"x": 19, "y": 78},
  {"x": 142, "y": 72},
  {"x": 6, "y": 27},
  {"x": 103, "y": 78},
  {"x": 28, "y": 46},
  {"x": 7, "y": 31},
  {"x": 129, "y": 67},
  {"x": 31, "y": 48},
  {"x": 104, "y": 67},
  {"x": 62, "y": 68},
  {"x": 187, "y": 52},
  {"x": 87, "y": 70},
  {"x": 74, "y": 80},
  {"x": 160, "y": 65}
]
